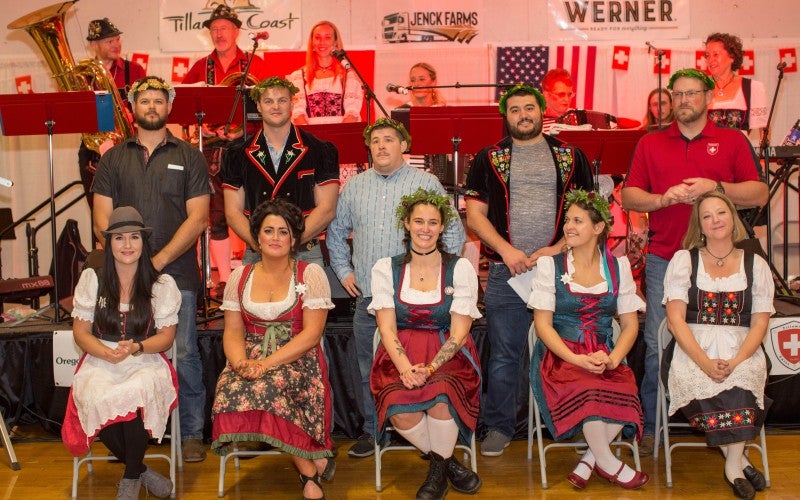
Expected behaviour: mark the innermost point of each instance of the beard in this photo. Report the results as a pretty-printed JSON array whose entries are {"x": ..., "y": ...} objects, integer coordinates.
[
  {"x": 146, "y": 123},
  {"x": 689, "y": 115},
  {"x": 516, "y": 133}
]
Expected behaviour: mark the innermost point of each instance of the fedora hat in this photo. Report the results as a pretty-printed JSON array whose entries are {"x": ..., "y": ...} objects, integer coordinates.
[
  {"x": 125, "y": 220},
  {"x": 223, "y": 12}
]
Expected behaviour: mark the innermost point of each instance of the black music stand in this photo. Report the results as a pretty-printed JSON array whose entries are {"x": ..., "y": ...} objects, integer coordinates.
[
  {"x": 347, "y": 137},
  {"x": 454, "y": 129},
  {"x": 55, "y": 113},
  {"x": 609, "y": 150}
]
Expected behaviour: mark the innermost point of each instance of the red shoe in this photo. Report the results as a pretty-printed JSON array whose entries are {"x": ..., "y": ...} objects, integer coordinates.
[
  {"x": 639, "y": 478},
  {"x": 578, "y": 481}
]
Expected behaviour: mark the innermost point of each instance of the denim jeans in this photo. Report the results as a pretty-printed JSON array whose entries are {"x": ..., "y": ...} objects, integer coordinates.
[
  {"x": 508, "y": 320},
  {"x": 191, "y": 389},
  {"x": 655, "y": 270},
  {"x": 364, "y": 325}
]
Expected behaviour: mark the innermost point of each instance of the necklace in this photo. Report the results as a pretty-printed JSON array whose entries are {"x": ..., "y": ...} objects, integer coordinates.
[
  {"x": 271, "y": 291},
  {"x": 423, "y": 253},
  {"x": 324, "y": 68},
  {"x": 721, "y": 88},
  {"x": 720, "y": 260}
]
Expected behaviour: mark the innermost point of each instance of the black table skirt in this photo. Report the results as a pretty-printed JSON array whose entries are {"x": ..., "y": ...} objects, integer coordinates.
[{"x": 27, "y": 393}]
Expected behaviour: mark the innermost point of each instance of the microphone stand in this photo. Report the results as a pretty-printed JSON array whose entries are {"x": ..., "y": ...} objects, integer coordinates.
[
  {"x": 240, "y": 92},
  {"x": 369, "y": 94},
  {"x": 660, "y": 54}
]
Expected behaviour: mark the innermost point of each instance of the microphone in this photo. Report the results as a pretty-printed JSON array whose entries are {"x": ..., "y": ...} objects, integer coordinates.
[
  {"x": 399, "y": 89},
  {"x": 658, "y": 51},
  {"x": 782, "y": 66},
  {"x": 341, "y": 55},
  {"x": 259, "y": 35}
]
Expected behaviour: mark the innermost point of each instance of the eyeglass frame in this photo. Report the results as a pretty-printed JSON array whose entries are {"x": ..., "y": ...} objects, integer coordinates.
[
  {"x": 689, "y": 94},
  {"x": 562, "y": 95}
]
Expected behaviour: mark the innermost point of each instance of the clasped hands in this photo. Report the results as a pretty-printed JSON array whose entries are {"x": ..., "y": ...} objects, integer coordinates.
[
  {"x": 250, "y": 369},
  {"x": 123, "y": 350},
  {"x": 596, "y": 362},
  {"x": 415, "y": 377},
  {"x": 717, "y": 369},
  {"x": 687, "y": 191}
]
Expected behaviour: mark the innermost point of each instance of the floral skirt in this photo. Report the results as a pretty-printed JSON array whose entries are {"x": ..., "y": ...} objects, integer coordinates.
[
  {"x": 289, "y": 407},
  {"x": 456, "y": 383}
]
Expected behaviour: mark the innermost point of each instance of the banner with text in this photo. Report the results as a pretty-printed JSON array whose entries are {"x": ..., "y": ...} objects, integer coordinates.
[
  {"x": 448, "y": 22},
  {"x": 181, "y": 23},
  {"x": 616, "y": 20}
]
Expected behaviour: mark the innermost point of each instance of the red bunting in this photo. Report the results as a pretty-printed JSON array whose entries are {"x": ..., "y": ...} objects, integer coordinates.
[
  {"x": 141, "y": 59},
  {"x": 180, "y": 66},
  {"x": 788, "y": 56},
  {"x": 23, "y": 84},
  {"x": 666, "y": 63},
  {"x": 700, "y": 60},
  {"x": 748, "y": 63},
  {"x": 622, "y": 55}
]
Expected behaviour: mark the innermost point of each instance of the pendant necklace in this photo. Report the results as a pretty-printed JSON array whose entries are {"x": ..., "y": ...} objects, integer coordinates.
[
  {"x": 324, "y": 68},
  {"x": 721, "y": 88},
  {"x": 720, "y": 260}
]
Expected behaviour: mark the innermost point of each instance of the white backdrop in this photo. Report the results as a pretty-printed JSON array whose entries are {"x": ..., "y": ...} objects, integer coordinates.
[{"x": 764, "y": 27}]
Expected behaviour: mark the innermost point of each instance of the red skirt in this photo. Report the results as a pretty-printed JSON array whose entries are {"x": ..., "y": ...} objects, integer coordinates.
[
  {"x": 456, "y": 383},
  {"x": 574, "y": 395}
]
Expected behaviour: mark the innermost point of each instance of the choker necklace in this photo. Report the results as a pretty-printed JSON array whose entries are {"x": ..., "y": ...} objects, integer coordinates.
[
  {"x": 720, "y": 260},
  {"x": 721, "y": 88},
  {"x": 423, "y": 253},
  {"x": 324, "y": 68}
]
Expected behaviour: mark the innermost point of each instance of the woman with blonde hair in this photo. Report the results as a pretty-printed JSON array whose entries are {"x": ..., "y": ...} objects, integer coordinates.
[{"x": 329, "y": 92}]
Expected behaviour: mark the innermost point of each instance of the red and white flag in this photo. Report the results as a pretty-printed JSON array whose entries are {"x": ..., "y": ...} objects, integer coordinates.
[
  {"x": 621, "y": 58},
  {"x": 700, "y": 60},
  {"x": 581, "y": 62},
  {"x": 23, "y": 84},
  {"x": 748, "y": 67},
  {"x": 666, "y": 63},
  {"x": 180, "y": 66},
  {"x": 788, "y": 56},
  {"x": 141, "y": 59}
]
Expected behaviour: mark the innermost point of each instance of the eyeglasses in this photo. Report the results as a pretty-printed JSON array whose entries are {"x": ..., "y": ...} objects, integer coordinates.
[
  {"x": 689, "y": 94},
  {"x": 563, "y": 95}
]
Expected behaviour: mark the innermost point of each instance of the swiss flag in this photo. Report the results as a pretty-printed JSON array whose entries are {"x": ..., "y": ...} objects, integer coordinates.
[
  {"x": 180, "y": 66},
  {"x": 788, "y": 56},
  {"x": 700, "y": 60},
  {"x": 621, "y": 57},
  {"x": 748, "y": 63},
  {"x": 23, "y": 84},
  {"x": 666, "y": 63},
  {"x": 141, "y": 60}
]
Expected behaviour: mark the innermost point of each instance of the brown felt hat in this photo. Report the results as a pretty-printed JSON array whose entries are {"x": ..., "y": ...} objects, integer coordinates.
[
  {"x": 100, "y": 29},
  {"x": 125, "y": 220},
  {"x": 223, "y": 12}
]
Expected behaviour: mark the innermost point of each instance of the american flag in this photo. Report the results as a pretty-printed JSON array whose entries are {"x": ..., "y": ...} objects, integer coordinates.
[{"x": 529, "y": 65}]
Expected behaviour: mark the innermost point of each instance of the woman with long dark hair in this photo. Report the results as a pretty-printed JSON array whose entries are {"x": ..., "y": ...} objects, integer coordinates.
[{"x": 124, "y": 388}]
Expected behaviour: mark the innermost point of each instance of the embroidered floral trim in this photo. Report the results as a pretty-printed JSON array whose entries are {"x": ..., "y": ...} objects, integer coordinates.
[
  {"x": 564, "y": 161},
  {"x": 729, "y": 419},
  {"x": 289, "y": 155},
  {"x": 261, "y": 156},
  {"x": 501, "y": 161},
  {"x": 720, "y": 308},
  {"x": 300, "y": 288},
  {"x": 566, "y": 278}
]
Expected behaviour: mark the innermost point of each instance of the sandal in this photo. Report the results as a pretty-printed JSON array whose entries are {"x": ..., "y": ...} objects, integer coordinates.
[
  {"x": 330, "y": 469},
  {"x": 314, "y": 479}
]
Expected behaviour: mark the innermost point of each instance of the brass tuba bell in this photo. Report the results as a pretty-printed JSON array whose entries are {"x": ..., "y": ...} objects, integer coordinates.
[{"x": 46, "y": 26}]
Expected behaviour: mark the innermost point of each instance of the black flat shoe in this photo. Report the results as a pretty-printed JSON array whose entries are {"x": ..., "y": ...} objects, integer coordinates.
[
  {"x": 741, "y": 487},
  {"x": 314, "y": 479},
  {"x": 755, "y": 477},
  {"x": 330, "y": 470}
]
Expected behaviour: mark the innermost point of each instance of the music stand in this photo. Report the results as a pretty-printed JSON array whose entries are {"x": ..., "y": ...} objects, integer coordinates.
[
  {"x": 347, "y": 137},
  {"x": 55, "y": 113},
  {"x": 611, "y": 149},
  {"x": 454, "y": 129}
]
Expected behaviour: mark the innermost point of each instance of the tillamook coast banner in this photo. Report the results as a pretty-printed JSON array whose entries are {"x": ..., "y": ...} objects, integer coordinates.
[
  {"x": 181, "y": 23},
  {"x": 431, "y": 23},
  {"x": 618, "y": 19}
]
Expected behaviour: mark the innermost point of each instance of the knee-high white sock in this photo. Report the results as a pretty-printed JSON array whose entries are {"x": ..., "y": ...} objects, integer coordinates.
[
  {"x": 443, "y": 435},
  {"x": 418, "y": 435},
  {"x": 596, "y": 433},
  {"x": 220, "y": 252},
  {"x": 734, "y": 460}
]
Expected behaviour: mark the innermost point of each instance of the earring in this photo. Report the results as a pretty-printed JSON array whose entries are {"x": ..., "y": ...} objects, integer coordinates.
[{"x": 703, "y": 238}]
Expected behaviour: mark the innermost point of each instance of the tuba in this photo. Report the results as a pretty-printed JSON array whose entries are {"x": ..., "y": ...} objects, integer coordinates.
[{"x": 46, "y": 26}]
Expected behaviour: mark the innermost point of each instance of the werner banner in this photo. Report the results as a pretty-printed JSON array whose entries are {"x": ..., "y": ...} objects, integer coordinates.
[
  {"x": 181, "y": 23},
  {"x": 618, "y": 20}
]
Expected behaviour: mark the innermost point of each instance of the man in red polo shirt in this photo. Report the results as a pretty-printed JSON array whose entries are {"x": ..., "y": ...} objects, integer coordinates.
[{"x": 670, "y": 169}]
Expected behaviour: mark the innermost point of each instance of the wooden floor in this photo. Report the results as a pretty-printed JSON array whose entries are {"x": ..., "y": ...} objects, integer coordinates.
[{"x": 697, "y": 473}]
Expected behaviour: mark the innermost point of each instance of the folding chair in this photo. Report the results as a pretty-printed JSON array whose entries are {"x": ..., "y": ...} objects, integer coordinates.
[
  {"x": 174, "y": 458},
  {"x": 12, "y": 457},
  {"x": 663, "y": 425},
  {"x": 535, "y": 425},
  {"x": 469, "y": 451}
]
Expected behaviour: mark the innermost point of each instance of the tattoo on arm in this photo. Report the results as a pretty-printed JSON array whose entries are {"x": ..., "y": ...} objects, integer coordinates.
[
  {"x": 447, "y": 351},
  {"x": 400, "y": 350}
]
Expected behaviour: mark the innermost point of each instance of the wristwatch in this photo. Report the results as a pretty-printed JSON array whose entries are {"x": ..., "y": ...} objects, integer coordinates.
[
  {"x": 141, "y": 348},
  {"x": 720, "y": 188}
]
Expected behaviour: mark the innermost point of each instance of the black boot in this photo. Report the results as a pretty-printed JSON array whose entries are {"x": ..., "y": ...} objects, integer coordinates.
[
  {"x": 461, "y": 478},
  {"x": 435, "y": 485}
]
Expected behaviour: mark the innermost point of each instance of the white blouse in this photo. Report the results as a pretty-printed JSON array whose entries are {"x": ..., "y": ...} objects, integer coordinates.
[
  {"x": 166, "y": 301},
  {"x": 315, "y": 289},
  {"x": 465, "y": 289},
  {"x": 759, "y": 107},
  {"x": 543, "y": 294},
  {"x": 351, "y": 101}
]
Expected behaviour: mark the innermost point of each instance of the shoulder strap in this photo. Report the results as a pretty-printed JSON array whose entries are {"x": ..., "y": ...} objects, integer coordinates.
[
  {"x": 127, "y": 72},
  {"x": 746, "y": 84}
]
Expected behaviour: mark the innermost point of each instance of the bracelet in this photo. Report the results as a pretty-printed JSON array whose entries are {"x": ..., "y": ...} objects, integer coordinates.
[{"x": 430, "y": 369}]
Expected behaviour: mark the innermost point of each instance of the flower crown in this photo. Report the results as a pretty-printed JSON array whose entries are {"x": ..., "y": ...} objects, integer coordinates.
[
  {"x": 440, "y": 201},
  {"x": 272, "y": 82},
  {"x": 150, "y": 83},
  {"x": 590, "y": 199},
  {"x": 692, "y": 73},
  {"x": 525, "y": 89},
  {"x": 388, "y": 122}
]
